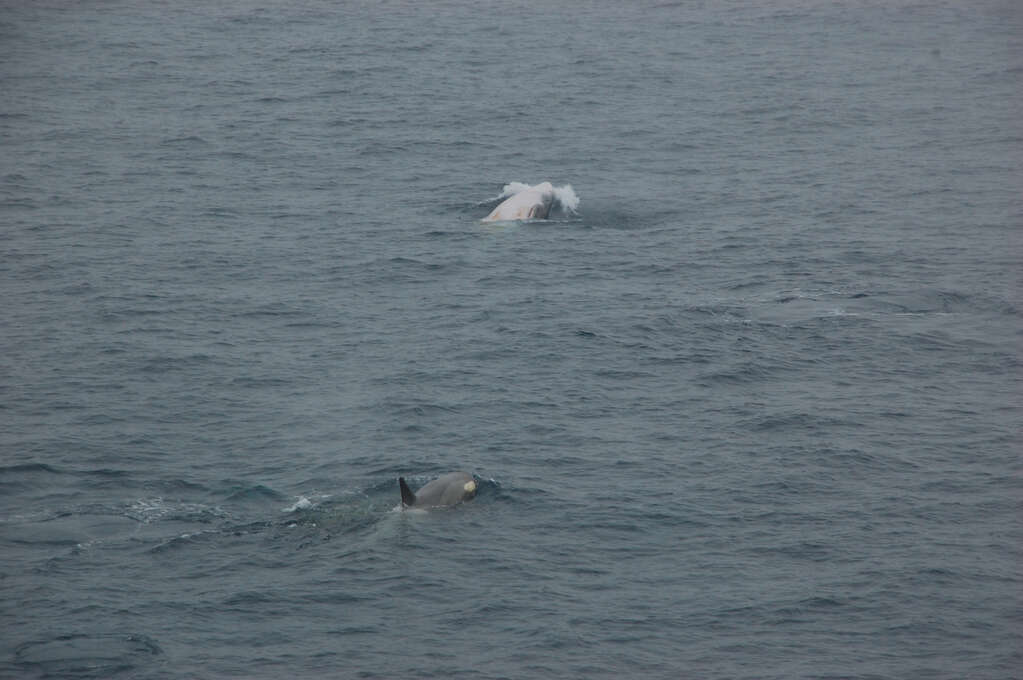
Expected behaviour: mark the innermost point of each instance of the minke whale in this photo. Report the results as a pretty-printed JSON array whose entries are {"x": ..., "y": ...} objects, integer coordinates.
[
  {"x": 451, "y": 489},
  {"x": 533, "y": 203}
]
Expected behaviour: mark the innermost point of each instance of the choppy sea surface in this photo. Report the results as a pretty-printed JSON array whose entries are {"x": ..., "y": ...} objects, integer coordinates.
[{"x": 752, "y": 410}]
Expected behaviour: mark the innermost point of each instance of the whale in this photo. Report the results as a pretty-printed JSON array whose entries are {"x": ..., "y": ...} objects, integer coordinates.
[
  {"x": 450, "y": 489},
  {"x": 533, "y": 203}
]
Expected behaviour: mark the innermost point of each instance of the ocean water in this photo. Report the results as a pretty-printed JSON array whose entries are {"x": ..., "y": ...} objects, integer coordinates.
[{"x": 751, "y": 410}]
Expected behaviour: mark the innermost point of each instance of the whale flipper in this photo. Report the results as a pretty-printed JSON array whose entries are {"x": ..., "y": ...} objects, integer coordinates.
[{"x": 408, "y": 499}]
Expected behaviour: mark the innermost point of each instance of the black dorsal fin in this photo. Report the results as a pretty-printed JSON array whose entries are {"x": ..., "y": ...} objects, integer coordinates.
[{"x": 407, "y": 497}]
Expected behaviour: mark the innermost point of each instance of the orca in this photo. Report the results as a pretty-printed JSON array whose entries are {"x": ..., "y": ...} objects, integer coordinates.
[
  {"x": 533, "y": 203},
  {"x": 451, "y": 489}
]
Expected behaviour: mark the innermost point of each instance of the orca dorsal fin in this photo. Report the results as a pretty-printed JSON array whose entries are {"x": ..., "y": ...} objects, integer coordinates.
[{"x": 408, "y": 498}]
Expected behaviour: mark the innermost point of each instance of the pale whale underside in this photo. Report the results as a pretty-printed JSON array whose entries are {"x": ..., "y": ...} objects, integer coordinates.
[
  {"x": 533, "y": 203},
  {"x": 449, "y": 489}
]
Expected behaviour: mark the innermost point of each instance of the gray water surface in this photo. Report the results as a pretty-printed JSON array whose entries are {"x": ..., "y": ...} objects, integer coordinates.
[{"x": 752, "y": 412}]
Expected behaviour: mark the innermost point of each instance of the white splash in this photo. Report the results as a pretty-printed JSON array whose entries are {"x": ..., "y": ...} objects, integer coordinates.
[
  {"x": 512, "y": 188},
  {"x": 302, "y": 503},
  {"x": 565, "y": 198}
]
